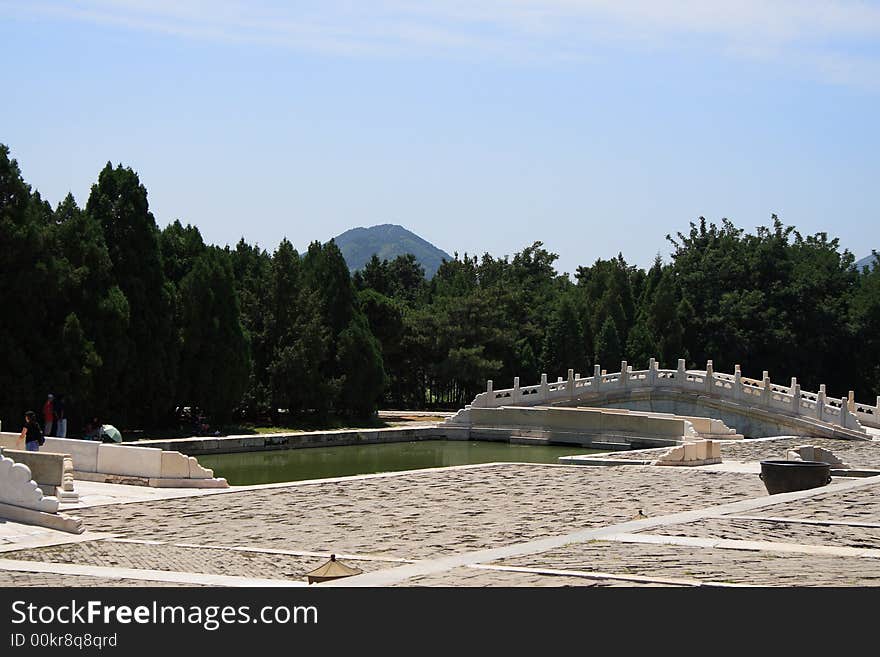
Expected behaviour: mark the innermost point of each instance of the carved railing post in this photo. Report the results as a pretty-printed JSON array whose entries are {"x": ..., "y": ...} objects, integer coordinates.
[
  {"x": 490, "y": 395},
  {"x": 765, "y": 393},
  {"x": 795, "y": 396},
  {"x": 820, "y": 403},
  {"x": 710, "y": 377},
  {"x": 624, "y": 374},
  {"x": 652, "y": 372},
  {"x": 516, "y": 393},
  {"x": 66, "y": 491},
  {"x": 737, "y": 383},
  {"x": 681, "y": 374},
  {"x": 570, "y": 384},
  {"x": 544, "y": 392},
  {"x": 844, "y": 412},
  {"x": 851, "y": 401},
  {"x": 597, "y": 376},
  {"x": 67, "y": 476}
]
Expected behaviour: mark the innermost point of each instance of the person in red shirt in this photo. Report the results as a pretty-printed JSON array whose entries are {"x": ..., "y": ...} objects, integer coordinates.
[{"x": 48, "y": 415}]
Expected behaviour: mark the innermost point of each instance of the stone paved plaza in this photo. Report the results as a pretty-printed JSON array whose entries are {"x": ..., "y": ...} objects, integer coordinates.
[
  {"x": 429, "y": 514},
  {"x": 486, "y": 525}
]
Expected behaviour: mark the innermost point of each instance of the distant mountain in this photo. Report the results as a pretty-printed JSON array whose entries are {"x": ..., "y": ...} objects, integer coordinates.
[
  {"x": 388, "y": 241},
  {"x": 867, "y": 261}
]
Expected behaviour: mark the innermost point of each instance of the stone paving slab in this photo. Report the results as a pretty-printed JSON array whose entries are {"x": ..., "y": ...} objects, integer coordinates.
[
  {"x": 11, "y": 531},
  {"x": 473, "y": 577},
  {"x": 44, "y": 540},
  {"x": 180, "y": 559},
  {"x": 9, "y": 578},
  {"x": 93, "y": 493},
  {"x": 747, "y": 545},
  {"x": 181, "y": 578},
  {"x": 707, "y": 564},
  {"x": 755, "y": 530},
  {"x": 855, "y": 453},
  {"x": 861, "y": 505},
  {"x": 427, "y": 513}
]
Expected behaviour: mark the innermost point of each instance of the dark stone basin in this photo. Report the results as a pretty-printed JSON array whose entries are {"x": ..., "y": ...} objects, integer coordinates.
[{"x": 788, "y": 476}]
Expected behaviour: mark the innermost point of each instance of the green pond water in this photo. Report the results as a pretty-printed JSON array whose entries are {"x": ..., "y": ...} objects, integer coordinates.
[{"x": 318, "y": 462}]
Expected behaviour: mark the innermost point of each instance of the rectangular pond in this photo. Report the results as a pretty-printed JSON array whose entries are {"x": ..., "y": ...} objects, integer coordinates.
[{"x": 264, "y": 467}]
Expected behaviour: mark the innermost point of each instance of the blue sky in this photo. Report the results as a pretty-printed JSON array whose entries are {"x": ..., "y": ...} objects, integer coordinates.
[{"x": 594, "y": 126}]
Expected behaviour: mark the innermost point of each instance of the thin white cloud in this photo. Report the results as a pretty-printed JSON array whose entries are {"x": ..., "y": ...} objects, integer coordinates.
[{"x": 835, "y": 39}]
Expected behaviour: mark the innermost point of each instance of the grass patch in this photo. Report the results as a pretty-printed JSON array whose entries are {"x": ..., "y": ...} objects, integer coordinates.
[
  {"x": 312, "y": 424},
  {"x": 294, "y": 425}
]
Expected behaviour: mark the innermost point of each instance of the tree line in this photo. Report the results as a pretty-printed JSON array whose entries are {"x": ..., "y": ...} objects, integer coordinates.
[
  {"x": 133, "y": 322},
  {"x": 777, "y": 300}
]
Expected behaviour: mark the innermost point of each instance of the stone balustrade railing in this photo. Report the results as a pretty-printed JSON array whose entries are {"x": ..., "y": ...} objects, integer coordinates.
[
  {"x": 790, "y": 400},
  {"x": 112, "y": 463}
]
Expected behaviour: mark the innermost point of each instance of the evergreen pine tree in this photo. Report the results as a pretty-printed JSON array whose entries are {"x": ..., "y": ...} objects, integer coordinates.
[
  {"x": 214, "y": 351},
  {"x": 564, "y": 342},
  {"x": 608, "y": 352},
  {"x": 147, "y": 387}
]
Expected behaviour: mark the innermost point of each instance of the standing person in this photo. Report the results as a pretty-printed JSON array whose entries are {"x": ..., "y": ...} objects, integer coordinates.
[
  {"x": 48, "y": 415},
  {"x": 31, "y": 434},
  {"x": 60, "y": 417}
]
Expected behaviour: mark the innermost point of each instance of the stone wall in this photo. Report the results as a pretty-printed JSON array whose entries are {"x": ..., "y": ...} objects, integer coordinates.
[
  {"x": 577, "y": 426},
  {"x": 94, "y": 461},
  {"x": 197, "y": 445},
  {"x": 706, "y": 427}
]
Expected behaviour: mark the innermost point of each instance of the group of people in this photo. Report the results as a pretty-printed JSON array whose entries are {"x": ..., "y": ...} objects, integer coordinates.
[
  {"x": 55, "y": 424},
  {"x": 106, "y": 433},
  {"x": 54, "y": 416}
]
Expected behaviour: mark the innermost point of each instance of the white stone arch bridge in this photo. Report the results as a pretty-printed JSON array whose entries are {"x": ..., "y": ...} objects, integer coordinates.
[{"x": 754, "y": 408}]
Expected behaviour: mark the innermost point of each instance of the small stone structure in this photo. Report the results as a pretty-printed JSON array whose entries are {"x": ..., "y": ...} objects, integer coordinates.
[
  {"x": 52, "y": 471},
  {"x": 813, "y": 453},
  {"x": 22, "y": 500},
  {"x": 700, "y": 452}
]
